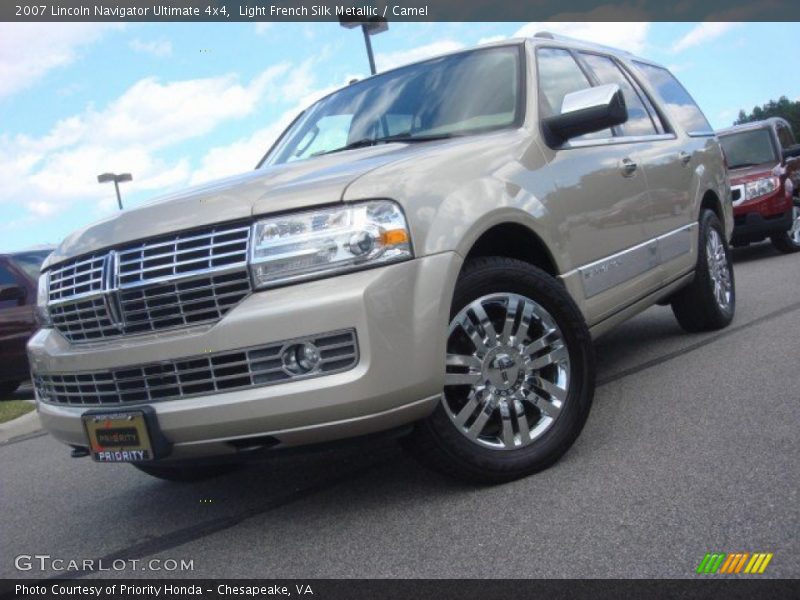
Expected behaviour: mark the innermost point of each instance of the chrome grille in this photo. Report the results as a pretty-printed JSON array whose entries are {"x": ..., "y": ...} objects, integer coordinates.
[
  {"x": 203, "y": 374},
  {"x": 183, "y": 254},
  {"x": 180, "y": 303},
  {"x": 177, "y": 280},
  {"x": 84, "y": 320},
  {"x": 79, "y": 278}
]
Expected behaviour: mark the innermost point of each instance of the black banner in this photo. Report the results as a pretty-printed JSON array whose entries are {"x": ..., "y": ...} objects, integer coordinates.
[
  {"x": 397, "y": 10},
  {"x": 407, "y": 589}
]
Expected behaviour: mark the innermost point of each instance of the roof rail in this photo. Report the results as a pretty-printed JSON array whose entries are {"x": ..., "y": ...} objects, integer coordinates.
[{"x": 565, "y": 38}]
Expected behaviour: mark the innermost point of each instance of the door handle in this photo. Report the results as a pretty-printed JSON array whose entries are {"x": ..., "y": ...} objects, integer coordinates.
[
  {"x": 685, "y": 157},
  {"x": 628, "y": 167}
]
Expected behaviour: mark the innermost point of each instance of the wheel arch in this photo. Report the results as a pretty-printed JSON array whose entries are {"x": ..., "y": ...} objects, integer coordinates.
[
  {"x": 711, "y": 201},
  {"x": 512, "y": 239}
]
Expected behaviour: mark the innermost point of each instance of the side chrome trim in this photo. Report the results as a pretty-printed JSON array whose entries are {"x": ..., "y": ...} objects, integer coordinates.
[
  {"x": 606, "y": 273},
  {"x": 609, "y": 272},
  {"x": 623, "y": 139},
  {"x": 675, "y": 243}
]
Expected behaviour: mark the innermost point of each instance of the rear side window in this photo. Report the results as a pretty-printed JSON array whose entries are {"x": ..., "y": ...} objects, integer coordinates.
[
  {"x": 560, "y": 75},
  {"x": 606, "y": 71},
  {"x": 7, "y": 278},
  {"x": 678, "y": 102}
]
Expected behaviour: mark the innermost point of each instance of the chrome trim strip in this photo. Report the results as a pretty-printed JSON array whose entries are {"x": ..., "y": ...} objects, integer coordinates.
[
  {"x": 675, "y": 243},
  {"x": 609, "y": 272},
  {"x": 623, "y": 139}
]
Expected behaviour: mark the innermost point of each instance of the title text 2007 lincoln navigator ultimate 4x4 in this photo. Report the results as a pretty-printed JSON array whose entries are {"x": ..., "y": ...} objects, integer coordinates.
[{"x": 434, "y": 247}]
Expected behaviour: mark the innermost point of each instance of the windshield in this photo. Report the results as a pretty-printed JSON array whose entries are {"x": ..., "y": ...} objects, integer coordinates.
[
  {"x": 31, "y": 262},
  {"x": 748, "y": 148},
  {"x": 466, "y": 93}
]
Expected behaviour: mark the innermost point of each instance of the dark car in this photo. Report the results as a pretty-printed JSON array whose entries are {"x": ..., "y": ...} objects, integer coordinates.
[
  {"x": 763, "y": 166},
  {"x": 19, "y": 274}
]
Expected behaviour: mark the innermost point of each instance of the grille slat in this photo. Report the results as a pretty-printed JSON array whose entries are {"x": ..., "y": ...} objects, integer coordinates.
[
  {"x": 168, "y": 282},
  {"x": 203, "y": 374}
]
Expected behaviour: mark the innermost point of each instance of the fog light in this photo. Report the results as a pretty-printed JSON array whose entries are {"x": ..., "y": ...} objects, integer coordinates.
[{"x": 299, "y": 359}]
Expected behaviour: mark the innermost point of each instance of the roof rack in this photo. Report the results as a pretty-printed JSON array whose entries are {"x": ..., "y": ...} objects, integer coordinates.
[{"x": 565, "y": 38}]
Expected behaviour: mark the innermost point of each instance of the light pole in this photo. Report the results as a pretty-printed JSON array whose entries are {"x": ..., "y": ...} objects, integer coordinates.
[
  {"x": 368, "y": 28},
  {"x": 117, "y": 179}
]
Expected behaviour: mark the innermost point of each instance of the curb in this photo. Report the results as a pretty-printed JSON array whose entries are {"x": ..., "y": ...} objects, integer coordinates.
[{"x": 23, "y": 425}]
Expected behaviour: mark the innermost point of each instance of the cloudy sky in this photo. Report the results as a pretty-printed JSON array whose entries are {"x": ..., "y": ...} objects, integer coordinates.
[{"x": 177, "y": 104}]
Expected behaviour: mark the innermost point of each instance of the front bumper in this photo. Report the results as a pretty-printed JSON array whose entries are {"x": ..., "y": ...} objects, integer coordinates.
[
  {"x": 399, "y": 313},
  {"x": 753, "y": 226}
]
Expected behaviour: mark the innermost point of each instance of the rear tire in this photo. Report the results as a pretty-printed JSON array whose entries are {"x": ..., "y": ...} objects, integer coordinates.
[
  {"x": 788, "y": 242},
  {"x": 515, "y": 404},
  {"x": 7, "y": 388},
  {"x": 709, "y": 302},
  {"x": 186, "y": 474}
]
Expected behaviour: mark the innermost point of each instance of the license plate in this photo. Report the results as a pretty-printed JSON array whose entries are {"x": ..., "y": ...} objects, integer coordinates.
[{"x": 118, "y": 437}]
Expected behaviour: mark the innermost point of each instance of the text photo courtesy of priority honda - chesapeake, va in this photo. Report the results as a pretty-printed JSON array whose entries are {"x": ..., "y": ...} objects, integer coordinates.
[{"x": 399, "y": 300}]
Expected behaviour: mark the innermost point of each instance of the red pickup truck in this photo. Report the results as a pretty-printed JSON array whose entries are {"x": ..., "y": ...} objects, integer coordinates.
[
  {"x": 764, "y": 164},
  {"x": 19, "y": 274}
]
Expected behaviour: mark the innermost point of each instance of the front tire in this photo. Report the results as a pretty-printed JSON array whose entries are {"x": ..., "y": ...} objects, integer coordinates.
[
  {"x": 519, "y": 378},
  {"x": 709, "y": 302},
  {"x": 788, "y": 242}
]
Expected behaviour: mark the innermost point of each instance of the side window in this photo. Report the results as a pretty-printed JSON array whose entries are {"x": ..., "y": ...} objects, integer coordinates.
[
  {"x": 7, "y": 278},
  {"x": 606, "y": 71},
  {"x": 329, "y": 133},
  {"x": 560, "y": 75},
  {"x": 678, "y": 102},
  {"x": 785, "y": 136}
]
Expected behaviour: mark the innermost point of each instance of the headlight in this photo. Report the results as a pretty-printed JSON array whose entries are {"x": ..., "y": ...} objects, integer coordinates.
[
  {"x": 42, "y": 313},
  {"x": 760, "y": 187},
  {"x": 323, "y": 242}
]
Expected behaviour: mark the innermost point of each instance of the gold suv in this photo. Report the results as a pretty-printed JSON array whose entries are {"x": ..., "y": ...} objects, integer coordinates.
[{"x": 429, "y": 251}]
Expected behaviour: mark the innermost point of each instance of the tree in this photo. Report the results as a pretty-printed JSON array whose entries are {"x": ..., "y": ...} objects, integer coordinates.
[{"x": 783, "y": 107}]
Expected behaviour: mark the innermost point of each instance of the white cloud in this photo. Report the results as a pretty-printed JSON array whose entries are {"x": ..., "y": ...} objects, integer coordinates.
[
  {"x": 28, "y": 51},
  {"x": 157, "y": 48},
  {"x": 389, "y": 60},
  {"x": 48, "y": 174},
  {"x": 631, "y": 36},
  {"x": 263, "y": 27},
  {"x": 702, "y": 33}
]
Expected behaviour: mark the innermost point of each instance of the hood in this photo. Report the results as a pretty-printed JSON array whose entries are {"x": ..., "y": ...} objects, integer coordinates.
[
  {"x": 743, "y": 174},
  {"x": 313, "y": 182}
]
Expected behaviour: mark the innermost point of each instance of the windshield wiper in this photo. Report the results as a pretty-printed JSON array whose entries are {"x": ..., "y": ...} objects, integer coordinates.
[{"x": 402, "y": 137}]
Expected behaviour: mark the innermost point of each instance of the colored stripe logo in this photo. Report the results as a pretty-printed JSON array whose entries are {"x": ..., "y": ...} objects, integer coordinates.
[{"x": 734, "y": 563}]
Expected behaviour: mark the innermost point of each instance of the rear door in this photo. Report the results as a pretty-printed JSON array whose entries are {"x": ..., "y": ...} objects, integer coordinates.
[{"x": 672, "y": 166}]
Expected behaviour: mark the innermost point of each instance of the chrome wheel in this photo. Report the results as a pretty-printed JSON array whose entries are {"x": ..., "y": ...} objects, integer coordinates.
[
  {"x": 507, "y": 371},
  {"x": 719, "y": 269},
  {"x": 794, "y": 231}
]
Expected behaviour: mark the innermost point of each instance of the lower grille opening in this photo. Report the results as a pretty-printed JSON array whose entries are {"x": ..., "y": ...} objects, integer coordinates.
[
  {"x": 202, "y": 375},
  {"x": 254, "y": 443}
]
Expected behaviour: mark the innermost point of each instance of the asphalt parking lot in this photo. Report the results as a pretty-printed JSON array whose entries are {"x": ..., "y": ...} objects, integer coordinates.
[{"x": 691, "y": 448}]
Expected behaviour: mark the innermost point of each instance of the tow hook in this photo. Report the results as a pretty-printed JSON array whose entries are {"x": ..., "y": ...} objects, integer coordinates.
[{"x": 79, "y": 452}]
